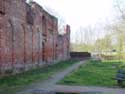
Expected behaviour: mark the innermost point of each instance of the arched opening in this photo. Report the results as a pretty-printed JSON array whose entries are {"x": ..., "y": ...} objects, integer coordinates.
[{"x": 44, "y": 38}]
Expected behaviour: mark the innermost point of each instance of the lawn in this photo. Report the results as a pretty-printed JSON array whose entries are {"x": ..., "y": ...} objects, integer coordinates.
[
  {"x": 94, "y": 73},
  {"x": 13, "y": 83}
]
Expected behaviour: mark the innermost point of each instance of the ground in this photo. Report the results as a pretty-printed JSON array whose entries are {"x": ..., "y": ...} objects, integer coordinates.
[
  {"x": 50, "y": 84},
  {"x": 16, "y": 82},
  {"x": 94, "y": 73}
]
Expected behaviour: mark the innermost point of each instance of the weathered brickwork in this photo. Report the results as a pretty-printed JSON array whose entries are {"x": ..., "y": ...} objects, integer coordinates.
[
  {"x": 63, "y": 44},
  {"x": 29, "y": 37}
]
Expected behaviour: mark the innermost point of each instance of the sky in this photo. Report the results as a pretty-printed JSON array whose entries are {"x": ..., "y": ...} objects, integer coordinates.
[{"x": 81, "y": 13}]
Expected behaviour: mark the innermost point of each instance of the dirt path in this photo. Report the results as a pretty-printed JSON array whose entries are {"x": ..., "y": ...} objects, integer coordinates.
[
  {"x": 99, "y": 90},
  {"x": 50, "y": 85}
]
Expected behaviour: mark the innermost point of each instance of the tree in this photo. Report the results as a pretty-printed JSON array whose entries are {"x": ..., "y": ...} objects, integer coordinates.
[
  {"x": 120, "y": 7},
  {"x": 120, "y": 35}
]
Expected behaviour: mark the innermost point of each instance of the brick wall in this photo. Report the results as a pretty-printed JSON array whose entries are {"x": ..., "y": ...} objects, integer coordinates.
[
  {"x": 29, "y": 37},
  {"x": 64, "y": 44}
]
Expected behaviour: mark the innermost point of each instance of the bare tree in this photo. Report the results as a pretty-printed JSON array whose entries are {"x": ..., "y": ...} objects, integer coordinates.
[{"x": 120, "y": 7}]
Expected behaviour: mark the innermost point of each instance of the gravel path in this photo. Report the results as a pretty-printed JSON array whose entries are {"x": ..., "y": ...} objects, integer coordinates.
[{"x": 50, "y": 85}]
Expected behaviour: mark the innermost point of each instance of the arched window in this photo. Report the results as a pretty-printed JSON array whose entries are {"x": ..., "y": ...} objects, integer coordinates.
[
  {"x": 44, "y": 24},
  {"x": 29, "y": 16}
]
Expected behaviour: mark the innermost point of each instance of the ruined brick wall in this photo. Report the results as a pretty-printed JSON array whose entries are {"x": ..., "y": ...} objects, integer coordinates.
[
  {"x": 12, "y": 35},
  {"x": 68, "y": 31},
  {"x": 28, "y": 37},
  {"x": 60, "y": 50},
  {"x": 64, "y": 44},
  {"x": 48, "y": 24}
]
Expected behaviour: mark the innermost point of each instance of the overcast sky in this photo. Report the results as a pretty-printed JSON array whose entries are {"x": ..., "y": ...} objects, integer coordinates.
[{"x": 81, "y": 13}]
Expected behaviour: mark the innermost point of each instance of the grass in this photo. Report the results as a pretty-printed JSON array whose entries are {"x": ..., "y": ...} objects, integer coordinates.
[
  {"x": 15, "y": 82},
  {"x": 94, "y": 73}
]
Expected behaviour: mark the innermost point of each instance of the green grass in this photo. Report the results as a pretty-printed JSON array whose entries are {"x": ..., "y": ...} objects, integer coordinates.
[
  {"x": 94, "y": 73},
  {"x": 15, "y": 82}
]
